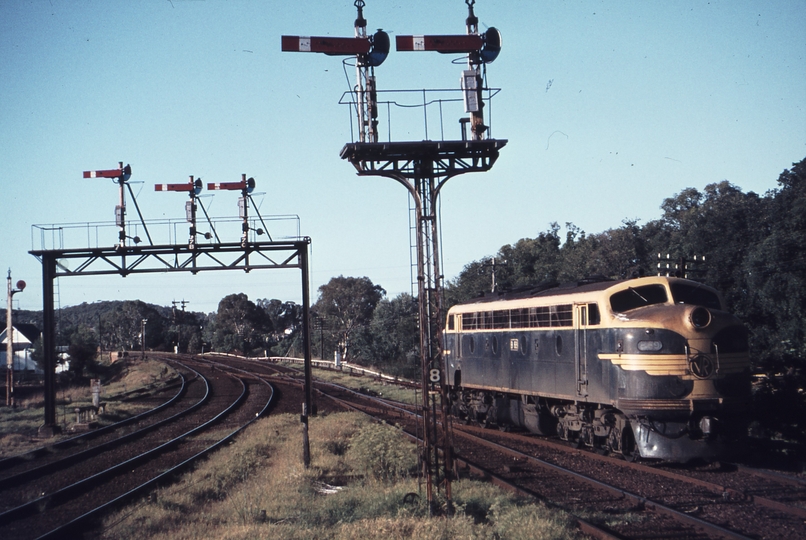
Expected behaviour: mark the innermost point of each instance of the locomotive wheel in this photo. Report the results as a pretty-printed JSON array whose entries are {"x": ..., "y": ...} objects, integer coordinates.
[
  {"x": 585, "y": 437},
  {"x": 614, "y": 441},
  {"x": 579, "y": 440}
]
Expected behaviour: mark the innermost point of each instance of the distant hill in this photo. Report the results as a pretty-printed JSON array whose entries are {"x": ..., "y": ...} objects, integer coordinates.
[{"x": 87, "y": 314}]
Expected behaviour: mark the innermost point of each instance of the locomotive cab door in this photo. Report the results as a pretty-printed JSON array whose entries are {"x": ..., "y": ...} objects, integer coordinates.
[{"x": 581, "y": 348}]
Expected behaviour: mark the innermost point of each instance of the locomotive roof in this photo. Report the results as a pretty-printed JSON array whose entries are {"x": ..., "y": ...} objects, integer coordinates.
[
  {"x": 545, "y": 289},
  {"x": 576, "y": 287}
]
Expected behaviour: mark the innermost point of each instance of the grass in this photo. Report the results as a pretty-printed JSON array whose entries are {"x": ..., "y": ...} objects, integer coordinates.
[
  {"x": 363, "y": 382},
  {"x": 18, "y": 426},
  {"x": 356, "y": 488}
]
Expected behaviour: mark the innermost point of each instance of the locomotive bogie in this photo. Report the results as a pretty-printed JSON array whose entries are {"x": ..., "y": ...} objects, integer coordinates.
[{"x": 651, "y": 367}]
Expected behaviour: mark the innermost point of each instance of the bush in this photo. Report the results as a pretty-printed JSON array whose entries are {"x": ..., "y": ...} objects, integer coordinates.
[{"x": 377, "y": 451}]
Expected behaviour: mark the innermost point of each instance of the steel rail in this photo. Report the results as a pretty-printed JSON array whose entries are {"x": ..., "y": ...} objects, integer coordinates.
[
  {"x": 649, "y": 503},
  {"x": 711, "y": 486},
  {"x": 47, "y": 468},
  {"x": 12, "y": 461},
  {"x": 78, "y": 523},
  {"x": 85, "y": 484},
  {"x": 772, "y": 475}
]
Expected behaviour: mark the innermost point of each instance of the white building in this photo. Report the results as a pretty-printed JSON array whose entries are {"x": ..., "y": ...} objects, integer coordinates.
[{"x": 24, "y": 336}]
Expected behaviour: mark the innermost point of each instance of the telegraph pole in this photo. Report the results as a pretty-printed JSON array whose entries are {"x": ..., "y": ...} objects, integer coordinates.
[
  {"x": 143, "y": 337},
  {"x": 10, "y": 341}
]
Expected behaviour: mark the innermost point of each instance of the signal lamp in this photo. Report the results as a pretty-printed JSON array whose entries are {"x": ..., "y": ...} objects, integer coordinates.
[
  {"x": 379, "y": 49},
  {"x": 127, "y": 173},
  {"x": 492, "y": 45}
]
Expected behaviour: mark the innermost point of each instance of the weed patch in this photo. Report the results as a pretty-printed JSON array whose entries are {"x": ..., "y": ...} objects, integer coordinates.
[{"x": 358, "y": 488}]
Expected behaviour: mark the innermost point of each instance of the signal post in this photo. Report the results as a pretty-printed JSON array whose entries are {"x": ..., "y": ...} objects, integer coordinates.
[{"x": 423, "y": 168}]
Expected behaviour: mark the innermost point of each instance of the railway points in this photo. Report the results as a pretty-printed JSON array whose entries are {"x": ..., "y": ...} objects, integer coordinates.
[{"x": 57, "y": 504}]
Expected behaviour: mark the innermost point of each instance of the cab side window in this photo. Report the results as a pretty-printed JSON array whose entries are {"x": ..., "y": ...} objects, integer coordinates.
[{"x": 593, "y": 314}]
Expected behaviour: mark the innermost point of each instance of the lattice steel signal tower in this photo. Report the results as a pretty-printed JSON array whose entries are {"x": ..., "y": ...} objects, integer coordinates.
[{"x": 423, "y": 168}]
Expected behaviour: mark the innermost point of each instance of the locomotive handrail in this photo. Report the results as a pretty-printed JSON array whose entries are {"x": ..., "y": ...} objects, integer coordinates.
[{"x": 716, "y": 350}]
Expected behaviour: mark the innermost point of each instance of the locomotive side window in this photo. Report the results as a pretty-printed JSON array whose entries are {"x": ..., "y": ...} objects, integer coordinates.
[
  {"x": 636, "y": 297},
  {"x": 535, "y": 317},
  {"x": 501, "y": 319},
  {"x": 450, "y": 322},
  {"x": 683, "y": 293},
  {"x": 519, "y": 318},
  {"x": 487, "y": 320},
  {"x": 593, "y": 314},
  {"x": 562, "y": 315}
]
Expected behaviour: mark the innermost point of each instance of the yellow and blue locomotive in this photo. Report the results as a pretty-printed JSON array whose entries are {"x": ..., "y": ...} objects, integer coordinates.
[{"x": 652, "y": 367}]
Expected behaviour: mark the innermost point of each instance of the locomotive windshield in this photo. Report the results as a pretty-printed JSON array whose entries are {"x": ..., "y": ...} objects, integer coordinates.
[
  {"x": 683, "y": 293},
  {"x": 636, "y": 297}
]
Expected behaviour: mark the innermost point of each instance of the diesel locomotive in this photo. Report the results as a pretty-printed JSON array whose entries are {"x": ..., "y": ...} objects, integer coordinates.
[{"x": 651, "y": 367}]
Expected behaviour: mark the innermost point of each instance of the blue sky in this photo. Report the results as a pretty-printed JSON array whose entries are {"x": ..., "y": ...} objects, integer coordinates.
[{"x": 609, "y": 107}]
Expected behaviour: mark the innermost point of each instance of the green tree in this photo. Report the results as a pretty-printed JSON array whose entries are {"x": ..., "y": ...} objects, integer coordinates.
[
  {"x": 349, "y": 303},
  {"x": 283, "y": 324},
  {"x": 121, "y": 328},
  {"x": 239, "y": 325},
  {"x": 776, "y": 273},
  {"x": 392, "y": 339},
  {"x": 82, "y": 350}
]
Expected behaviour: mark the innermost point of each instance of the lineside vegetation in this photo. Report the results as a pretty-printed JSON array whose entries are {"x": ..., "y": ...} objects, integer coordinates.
[{"x": 356, "y": 489}]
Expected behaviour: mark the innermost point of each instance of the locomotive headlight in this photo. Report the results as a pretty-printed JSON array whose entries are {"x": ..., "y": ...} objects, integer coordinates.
[
  {"x": 649, "y": 346},
  {"x": 700, "y": 317}
]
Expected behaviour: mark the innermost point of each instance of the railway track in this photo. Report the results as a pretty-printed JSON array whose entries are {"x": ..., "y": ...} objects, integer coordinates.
[
  {"x": 30, "y": 465},
  {"x": 55, "y": 497},
  {"x": 611, "y": 497},
  {"x": 657, "y": 501}
]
